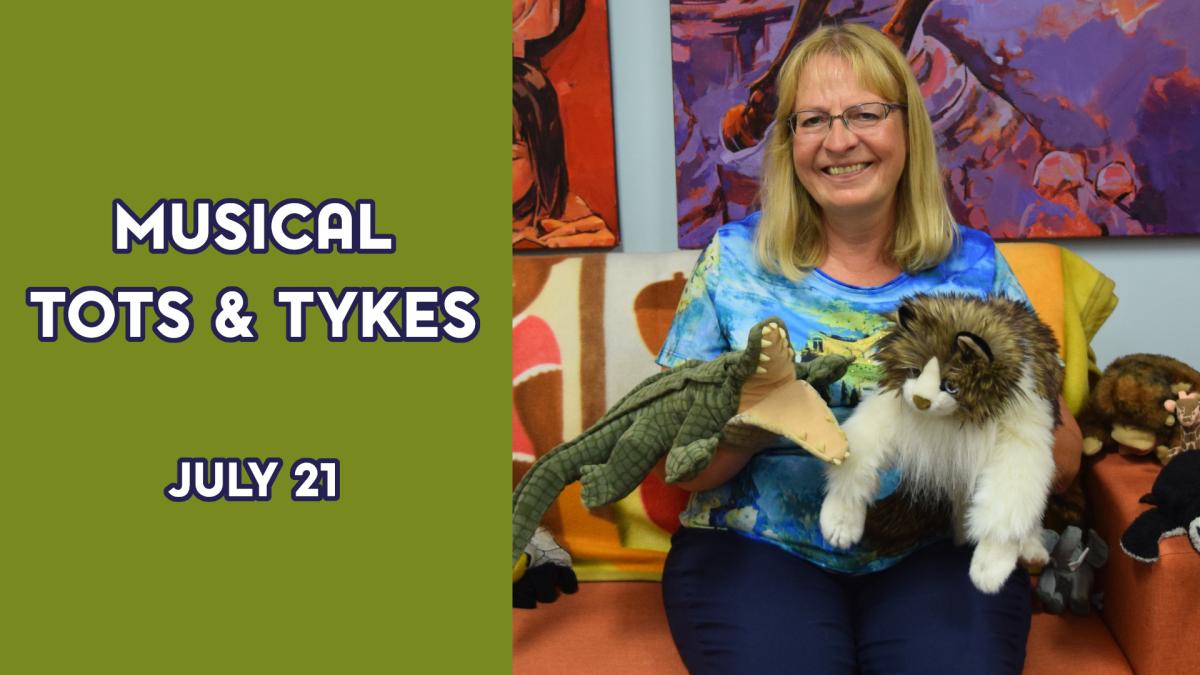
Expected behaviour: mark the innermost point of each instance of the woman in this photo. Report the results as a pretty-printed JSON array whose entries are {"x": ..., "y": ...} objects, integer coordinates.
[
  {"x": 545, "y": 211},
  {"x": 853, "y": 220}
]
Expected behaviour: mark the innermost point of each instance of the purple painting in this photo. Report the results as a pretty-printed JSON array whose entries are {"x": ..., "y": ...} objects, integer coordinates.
[{"x": 1058, "y": 118}]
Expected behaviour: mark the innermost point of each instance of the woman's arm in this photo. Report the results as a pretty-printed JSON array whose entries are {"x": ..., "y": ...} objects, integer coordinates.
[
  {"x": 729, "y": 458},
  {"x": 727, "y": 461},
  {"x": 725, "y": 464}
]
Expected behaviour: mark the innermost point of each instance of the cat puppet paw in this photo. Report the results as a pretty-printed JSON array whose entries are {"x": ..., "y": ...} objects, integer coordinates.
[
  {"x": 992, "y": 564},
  {"x": 842, "y": 523}
]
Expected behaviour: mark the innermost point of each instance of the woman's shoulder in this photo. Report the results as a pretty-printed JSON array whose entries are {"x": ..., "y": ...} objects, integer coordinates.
[
  {"x": 734, "y": 241},
  {"x": 738, "y": 232},
  {"x": 973, "y": 248},
  {"x": 970, "y": 266},
  {"x": 975, "y": 237}
]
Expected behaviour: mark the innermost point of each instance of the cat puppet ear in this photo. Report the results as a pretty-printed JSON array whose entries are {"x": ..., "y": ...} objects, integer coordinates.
[
  {"x": 905, "y": 315},
  {"x": 972, "y": 346}
]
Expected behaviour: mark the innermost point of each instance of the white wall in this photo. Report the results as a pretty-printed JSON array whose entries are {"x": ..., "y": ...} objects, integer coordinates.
[
  {"x": 1152, "y": 277},
  {"x": 1156, "y": 278}
]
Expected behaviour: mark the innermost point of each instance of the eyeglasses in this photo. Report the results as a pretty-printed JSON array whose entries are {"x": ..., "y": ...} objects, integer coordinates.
[{"x": 856, "y": 118}]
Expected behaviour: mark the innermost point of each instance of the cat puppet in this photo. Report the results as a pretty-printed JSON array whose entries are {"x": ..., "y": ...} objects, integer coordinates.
[{"x": 966, "y": 408}]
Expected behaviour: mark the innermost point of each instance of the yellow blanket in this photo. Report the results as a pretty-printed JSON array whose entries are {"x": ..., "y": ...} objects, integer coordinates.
[{"x": 1074, "y": 299}]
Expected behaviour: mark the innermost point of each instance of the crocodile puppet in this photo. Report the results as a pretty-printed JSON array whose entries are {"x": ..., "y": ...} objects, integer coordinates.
[{"x": 683, "y": 413}]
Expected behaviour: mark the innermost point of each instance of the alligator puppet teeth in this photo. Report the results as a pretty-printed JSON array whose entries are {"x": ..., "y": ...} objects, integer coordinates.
[{"x": 612, "y": 457}]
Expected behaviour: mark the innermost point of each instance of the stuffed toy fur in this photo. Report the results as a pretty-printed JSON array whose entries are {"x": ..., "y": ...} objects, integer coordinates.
[
  {"x": 683, "y": 413},
  {"x": 1133, "y": 407},
  {"x": 966, "y": 408},
  {"x": 1176, "y": 509}
]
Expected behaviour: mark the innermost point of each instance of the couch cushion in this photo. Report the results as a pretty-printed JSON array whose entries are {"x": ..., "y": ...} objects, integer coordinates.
[
  {"x": 607, "y": 627},
  {"x": 1143, "y": 603},
  {"x": 1072, "y": 645}
]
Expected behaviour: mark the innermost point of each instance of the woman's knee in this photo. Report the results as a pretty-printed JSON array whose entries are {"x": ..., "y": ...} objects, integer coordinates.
[
  {"x": 735, "y": 605},
  {"x": 930, "y": 618}
]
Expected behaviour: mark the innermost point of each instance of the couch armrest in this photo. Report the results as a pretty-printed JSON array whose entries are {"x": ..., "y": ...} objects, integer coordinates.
[{"x": 1148, "y": 607}]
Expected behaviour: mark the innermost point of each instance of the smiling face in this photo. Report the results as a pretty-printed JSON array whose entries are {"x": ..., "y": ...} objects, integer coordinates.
[{"x": 852, "y": 175}]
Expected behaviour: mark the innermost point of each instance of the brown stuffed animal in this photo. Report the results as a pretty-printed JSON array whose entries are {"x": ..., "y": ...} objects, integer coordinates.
[
  {"x": 1129, "y": 410},
  {"x": 1187, "y": 420}
]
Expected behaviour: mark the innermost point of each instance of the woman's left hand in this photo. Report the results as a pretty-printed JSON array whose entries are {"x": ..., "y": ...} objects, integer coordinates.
[{"x": 589, "y": 231}]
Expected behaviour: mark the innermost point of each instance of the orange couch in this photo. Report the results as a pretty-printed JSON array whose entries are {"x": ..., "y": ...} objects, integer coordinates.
[{"x": 601, "y": 318}]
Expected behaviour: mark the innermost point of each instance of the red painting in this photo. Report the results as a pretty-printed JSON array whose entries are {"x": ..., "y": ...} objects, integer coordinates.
[{"x": 563, "y": 168}]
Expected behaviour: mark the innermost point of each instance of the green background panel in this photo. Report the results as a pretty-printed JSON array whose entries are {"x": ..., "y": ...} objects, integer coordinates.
[{"x": 400, "y": 103}]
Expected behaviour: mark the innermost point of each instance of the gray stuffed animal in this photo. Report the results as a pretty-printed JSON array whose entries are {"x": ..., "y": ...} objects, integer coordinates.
[{"x": 1068, "y": 577}]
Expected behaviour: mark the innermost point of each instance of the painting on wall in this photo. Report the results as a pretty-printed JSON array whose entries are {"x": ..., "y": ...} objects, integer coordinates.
[
  {"x": 563, "y": 168},
  {"x": 1053, "y": 118}
]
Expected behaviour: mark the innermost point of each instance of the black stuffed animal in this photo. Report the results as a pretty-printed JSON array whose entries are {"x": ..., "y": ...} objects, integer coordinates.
[{"x": 1176, "y": 500}]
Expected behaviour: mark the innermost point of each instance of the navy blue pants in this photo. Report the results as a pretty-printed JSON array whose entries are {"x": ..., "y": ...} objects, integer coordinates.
[{"x": 736, "y": 605}]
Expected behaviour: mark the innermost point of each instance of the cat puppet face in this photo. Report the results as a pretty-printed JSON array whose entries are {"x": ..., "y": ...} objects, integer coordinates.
[
  {"x": 927, "y": 392},
  {"x": 965, "y": 356}
]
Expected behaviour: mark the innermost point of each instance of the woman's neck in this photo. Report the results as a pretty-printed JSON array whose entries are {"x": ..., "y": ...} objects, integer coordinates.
[{"x": 859, "y": 253}]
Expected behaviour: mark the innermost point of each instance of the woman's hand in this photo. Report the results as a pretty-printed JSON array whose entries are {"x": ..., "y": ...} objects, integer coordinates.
[
  {"x": 589, "y": 231},
  {"x": 726, "y": 462},
  {"x": 555, "y": 227},
  {"x": 777, "y": 370},
  {"x": 525, "y": 234}
]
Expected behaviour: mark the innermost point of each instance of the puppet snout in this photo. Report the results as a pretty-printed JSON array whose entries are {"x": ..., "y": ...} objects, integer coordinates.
[{"x": 922, "y": 391}]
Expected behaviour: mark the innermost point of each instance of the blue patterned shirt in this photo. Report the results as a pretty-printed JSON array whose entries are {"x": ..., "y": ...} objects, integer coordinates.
[{"x": 777, "y": 497}]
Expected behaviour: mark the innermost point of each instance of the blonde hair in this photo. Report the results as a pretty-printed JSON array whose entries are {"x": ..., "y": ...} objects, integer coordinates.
[{"x": 790, "y": 240}]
